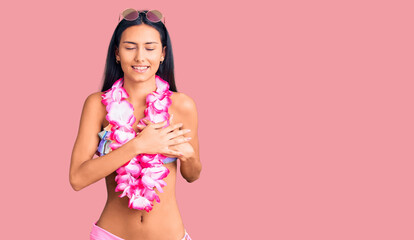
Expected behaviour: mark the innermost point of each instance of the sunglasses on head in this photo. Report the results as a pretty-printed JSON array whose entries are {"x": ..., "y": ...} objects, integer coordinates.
[{"x": 131, "y": 14}]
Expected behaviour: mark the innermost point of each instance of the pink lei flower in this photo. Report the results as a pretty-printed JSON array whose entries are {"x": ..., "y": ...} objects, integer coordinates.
[{"x": 138, "y": 177}]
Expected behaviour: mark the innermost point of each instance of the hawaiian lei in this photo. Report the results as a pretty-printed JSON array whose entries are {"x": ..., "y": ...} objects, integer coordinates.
[{"x": 137, "y": 177}]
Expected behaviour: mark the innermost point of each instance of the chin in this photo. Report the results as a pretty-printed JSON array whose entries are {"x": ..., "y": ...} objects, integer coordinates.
[{"x": 141, "y": 77}]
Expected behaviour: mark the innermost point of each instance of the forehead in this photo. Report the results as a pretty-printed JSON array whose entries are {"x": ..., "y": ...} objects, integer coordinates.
[{"x": 141, "y": 33}]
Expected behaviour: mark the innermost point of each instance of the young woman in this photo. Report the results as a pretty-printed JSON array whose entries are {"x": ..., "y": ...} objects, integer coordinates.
[{"x": 138, "y": 125}]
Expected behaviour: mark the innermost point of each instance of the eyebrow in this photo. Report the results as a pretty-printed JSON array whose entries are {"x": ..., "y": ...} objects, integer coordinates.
[{"x": 137, "y": 44}]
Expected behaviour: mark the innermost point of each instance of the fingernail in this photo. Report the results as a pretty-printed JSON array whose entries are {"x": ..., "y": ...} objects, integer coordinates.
[{"x": 188, "y": 138}]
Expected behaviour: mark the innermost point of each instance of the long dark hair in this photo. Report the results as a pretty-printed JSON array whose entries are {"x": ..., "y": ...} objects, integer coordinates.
[{"x": 113, "y": 71}]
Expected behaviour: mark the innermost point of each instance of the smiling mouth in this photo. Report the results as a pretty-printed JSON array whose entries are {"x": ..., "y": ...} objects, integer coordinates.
[{"x": 140, "y": 69}]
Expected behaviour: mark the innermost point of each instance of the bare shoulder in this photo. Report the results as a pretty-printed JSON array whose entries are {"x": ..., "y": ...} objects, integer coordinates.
[
  {"x": 95, "y": 97},
  {"x": 183, "y": 103},
  {"x": 94, "y": 102},
  {"x": 93, "y": 107}
]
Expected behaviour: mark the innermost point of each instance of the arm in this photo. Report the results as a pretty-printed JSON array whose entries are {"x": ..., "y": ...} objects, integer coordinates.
[
  {"x": 83, "y": 169},
  {"x": 190, "y": 165}
]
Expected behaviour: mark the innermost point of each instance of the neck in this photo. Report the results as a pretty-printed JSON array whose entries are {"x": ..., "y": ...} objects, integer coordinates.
[{"x": 138, "y": 91}]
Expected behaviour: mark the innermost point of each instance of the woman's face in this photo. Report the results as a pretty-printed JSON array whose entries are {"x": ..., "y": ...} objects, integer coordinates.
[{"x": 140, "y": 52}]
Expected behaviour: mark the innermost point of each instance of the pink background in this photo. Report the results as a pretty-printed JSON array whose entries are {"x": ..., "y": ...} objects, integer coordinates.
[{"x": 305, "y": 116}]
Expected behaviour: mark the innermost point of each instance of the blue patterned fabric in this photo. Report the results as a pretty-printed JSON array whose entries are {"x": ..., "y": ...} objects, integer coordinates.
[{"x": 103, "y": 147}]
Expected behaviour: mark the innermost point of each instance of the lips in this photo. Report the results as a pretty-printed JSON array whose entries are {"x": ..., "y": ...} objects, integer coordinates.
[{"x": 140, "y": 68}]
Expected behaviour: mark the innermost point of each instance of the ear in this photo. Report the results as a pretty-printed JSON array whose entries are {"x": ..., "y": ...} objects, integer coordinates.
[
  {"x": 163, "y": 51},
  {"x": 117, "y": 54}
]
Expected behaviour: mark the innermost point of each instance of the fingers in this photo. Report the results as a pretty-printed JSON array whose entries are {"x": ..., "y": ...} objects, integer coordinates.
[
  {"x": 172, "y": 127},
  {"x": 175, "y": 153},
  {"x": 140, "y": 127},
  {"x": 177, "y": 141},
  {"x": 154, "y": 125},
  {"x": 175, "y": 134}
]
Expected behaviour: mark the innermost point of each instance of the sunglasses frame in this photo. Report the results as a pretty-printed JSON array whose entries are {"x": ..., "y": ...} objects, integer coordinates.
[{"x": 162, "y": 19}]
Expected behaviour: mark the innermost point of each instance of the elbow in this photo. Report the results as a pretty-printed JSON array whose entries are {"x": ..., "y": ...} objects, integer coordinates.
[
  {"x": 75, "y": 184},
  {"x": 190, "y": 180},
  {"x": 76, "y": 179},
  {"x": 76, "y": 187},
  {"x": 195, "y": 177}
]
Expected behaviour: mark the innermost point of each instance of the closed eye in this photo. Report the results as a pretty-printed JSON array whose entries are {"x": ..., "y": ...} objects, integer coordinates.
[{"x": 134, "y": 48}]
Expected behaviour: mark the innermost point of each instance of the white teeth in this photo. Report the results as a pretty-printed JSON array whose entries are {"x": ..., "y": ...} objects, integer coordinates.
[{"x": 140, "y": 68}]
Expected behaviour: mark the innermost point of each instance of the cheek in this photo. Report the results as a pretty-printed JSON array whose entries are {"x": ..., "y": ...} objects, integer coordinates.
[
  {"x": 125, "y": 68},
  {"x": 154, "y": 56},
  {"x": 155, "y": 61},
  {"x": 127, "y": 55}
]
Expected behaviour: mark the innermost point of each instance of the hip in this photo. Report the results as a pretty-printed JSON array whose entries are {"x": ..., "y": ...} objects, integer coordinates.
[{"x": 99, "y": 233}]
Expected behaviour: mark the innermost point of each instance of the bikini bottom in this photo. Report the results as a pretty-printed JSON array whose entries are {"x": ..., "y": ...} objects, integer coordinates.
[{"x": 98, "y": 233}]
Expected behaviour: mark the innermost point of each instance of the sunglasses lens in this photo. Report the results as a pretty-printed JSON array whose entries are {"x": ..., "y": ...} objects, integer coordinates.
[
  {"x": 154, "y": 16},
  {"x": 130, "y": 14}
]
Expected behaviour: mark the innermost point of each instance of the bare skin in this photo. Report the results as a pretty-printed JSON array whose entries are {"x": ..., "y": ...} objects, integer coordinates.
[{"x": 164, "y": 220}]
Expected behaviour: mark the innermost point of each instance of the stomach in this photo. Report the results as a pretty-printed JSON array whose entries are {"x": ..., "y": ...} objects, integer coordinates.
[{"x": 162, "y": 222}]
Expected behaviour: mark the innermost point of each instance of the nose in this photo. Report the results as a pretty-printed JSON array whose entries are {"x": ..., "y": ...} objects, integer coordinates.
[{"x": 140, "y": 56}]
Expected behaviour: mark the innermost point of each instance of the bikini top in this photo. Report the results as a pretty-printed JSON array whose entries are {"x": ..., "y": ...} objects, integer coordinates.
[{"x": 103, "y": 147}]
